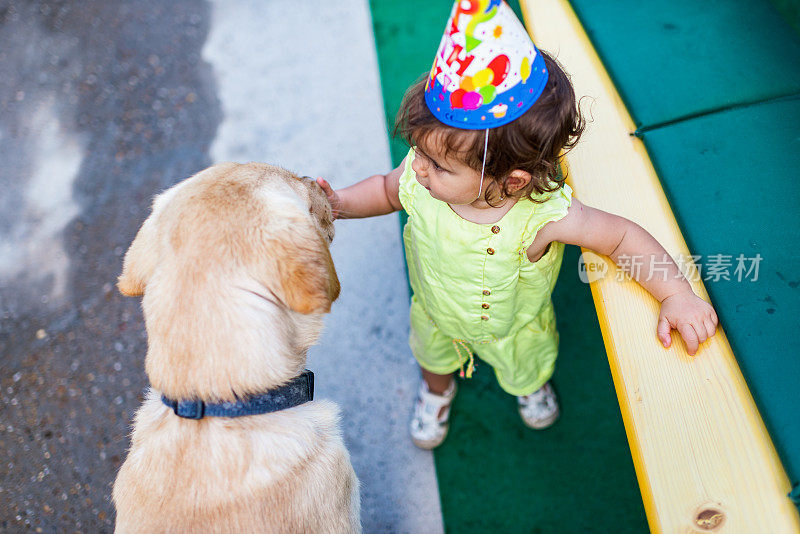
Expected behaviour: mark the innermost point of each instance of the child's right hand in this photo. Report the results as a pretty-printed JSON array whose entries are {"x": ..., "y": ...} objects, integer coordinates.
[
  {"x": 693, "y": 317},
  {"x": 333, "y": 198}
]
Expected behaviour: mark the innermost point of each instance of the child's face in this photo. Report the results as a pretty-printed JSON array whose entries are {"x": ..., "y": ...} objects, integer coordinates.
[{"x": 447, "y": 179}]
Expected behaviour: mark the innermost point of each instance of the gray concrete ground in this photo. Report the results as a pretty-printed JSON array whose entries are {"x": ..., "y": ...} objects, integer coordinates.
[{"x": 103, "y": 103}]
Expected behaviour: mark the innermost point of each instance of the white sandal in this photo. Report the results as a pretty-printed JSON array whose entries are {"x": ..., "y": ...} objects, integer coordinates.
[
  {"x": 428, "y": 428},
  {"x": 539, "y": 410}
]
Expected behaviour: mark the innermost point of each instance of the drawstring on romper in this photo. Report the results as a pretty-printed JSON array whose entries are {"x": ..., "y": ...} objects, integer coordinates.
[{"x": 459, "y": 344}]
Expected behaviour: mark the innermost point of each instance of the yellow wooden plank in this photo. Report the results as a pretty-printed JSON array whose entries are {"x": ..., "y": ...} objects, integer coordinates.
[{"x": 702, "y": 455}]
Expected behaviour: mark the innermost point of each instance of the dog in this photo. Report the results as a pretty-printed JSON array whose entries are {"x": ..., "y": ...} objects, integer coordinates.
[{"x": 236, "y": 276}]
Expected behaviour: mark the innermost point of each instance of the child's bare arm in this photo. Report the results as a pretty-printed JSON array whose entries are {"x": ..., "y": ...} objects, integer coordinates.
[
  {"x": 619, "y": 238},
  {"x": 376, "y": 195},
  {"x": 635, "y": 250}
]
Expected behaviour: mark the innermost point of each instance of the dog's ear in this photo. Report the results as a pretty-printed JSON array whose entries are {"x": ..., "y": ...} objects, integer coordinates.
[
  {"x": 307, "y": 277},
  {"x": 140, "y": 261}
]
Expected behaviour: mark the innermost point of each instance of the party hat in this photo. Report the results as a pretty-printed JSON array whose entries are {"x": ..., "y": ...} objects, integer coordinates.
[{"x": 487, "y": 71}]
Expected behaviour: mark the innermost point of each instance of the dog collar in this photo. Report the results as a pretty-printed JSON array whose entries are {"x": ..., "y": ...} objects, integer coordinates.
[{"x": 298, "y": 391}]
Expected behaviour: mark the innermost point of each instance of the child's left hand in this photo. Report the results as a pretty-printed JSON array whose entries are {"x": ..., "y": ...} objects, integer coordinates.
[{"x": 691, "y": 316}]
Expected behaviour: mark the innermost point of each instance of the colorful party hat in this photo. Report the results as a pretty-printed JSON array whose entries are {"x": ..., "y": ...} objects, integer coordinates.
[{"x": 487, "y": 71}]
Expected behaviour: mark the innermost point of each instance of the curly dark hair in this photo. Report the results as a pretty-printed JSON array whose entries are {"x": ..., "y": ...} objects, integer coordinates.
[{"x": 535, "y": 142}]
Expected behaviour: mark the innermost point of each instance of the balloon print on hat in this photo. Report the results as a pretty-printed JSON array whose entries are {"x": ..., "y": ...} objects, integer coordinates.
[{"x": 481, "y": 88}]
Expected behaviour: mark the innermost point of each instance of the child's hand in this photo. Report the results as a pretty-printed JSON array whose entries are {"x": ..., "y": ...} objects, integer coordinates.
[
  {"x": 690, "y": 315},
  {"x": 333, "y": 198}
]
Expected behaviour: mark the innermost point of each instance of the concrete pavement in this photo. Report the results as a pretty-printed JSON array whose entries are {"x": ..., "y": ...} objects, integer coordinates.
[{"x": 102, "y": 105}]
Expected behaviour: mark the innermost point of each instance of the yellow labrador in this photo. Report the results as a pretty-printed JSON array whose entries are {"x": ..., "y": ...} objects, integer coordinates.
[{"x": 236, "y": 275}]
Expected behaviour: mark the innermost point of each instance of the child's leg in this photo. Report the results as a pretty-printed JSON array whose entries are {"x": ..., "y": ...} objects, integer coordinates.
[
  {"x": 433, "y": 350},
  {"x": 429, "y": 424},
  {"x": 437, "y": 384}
]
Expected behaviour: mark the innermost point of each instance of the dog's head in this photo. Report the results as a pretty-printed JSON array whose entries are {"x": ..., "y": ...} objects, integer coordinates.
[
  {"x": 273, "y": 225},
  {"x": 232, "y": 261}
]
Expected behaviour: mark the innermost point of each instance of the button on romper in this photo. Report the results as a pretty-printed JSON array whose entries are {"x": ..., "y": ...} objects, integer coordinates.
[{"x": 475, "y": 289}]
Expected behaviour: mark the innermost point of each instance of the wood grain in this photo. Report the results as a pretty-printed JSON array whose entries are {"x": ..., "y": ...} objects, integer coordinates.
[{"x": 703, "y": 458}]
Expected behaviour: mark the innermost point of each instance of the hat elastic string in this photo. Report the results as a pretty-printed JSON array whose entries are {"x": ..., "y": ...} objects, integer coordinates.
[{"x": 483, "y": 165}]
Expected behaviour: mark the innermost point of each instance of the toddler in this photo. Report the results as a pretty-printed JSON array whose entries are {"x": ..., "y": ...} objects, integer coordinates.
[{"x": 488, "y": 216}]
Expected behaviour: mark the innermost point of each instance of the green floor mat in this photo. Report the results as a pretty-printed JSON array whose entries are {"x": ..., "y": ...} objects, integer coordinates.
[
  {"x": 407, "y": 35},
  {"x": 790, "y": 10},
  {"x": 495, "y": 474},
  {"x": 672, "y": 59},
  {"x": 732, "y": 181}
]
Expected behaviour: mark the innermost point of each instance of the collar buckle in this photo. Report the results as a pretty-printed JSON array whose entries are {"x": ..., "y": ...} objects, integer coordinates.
[
  {"x": 194, "y": 409},
  {"x": 309, "y": 383}
]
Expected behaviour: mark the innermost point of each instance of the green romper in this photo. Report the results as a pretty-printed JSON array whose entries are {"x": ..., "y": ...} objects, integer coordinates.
[{"x": 475, "y": 289}]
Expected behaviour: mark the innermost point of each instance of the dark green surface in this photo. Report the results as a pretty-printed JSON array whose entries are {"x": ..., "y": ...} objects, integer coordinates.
[
  {"x": 407, "y": 35},
  {"x": 494, "y": 474},
  {"x": 790, "y": 10},
  {"x": 676, "y": 58},
  {"x": 733, "y": 180}
]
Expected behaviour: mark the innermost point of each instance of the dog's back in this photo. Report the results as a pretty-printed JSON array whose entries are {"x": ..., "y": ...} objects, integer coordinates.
[
  {"x": 236, "y": 276},
  {"x": 282, "y": 472}
]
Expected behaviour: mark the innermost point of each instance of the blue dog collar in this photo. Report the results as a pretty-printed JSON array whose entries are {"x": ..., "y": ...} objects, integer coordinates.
[{"x": 298, "y": 391}]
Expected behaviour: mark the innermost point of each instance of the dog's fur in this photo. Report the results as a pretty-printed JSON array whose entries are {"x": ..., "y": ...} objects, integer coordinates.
[{"x": 236, "y": 275}]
